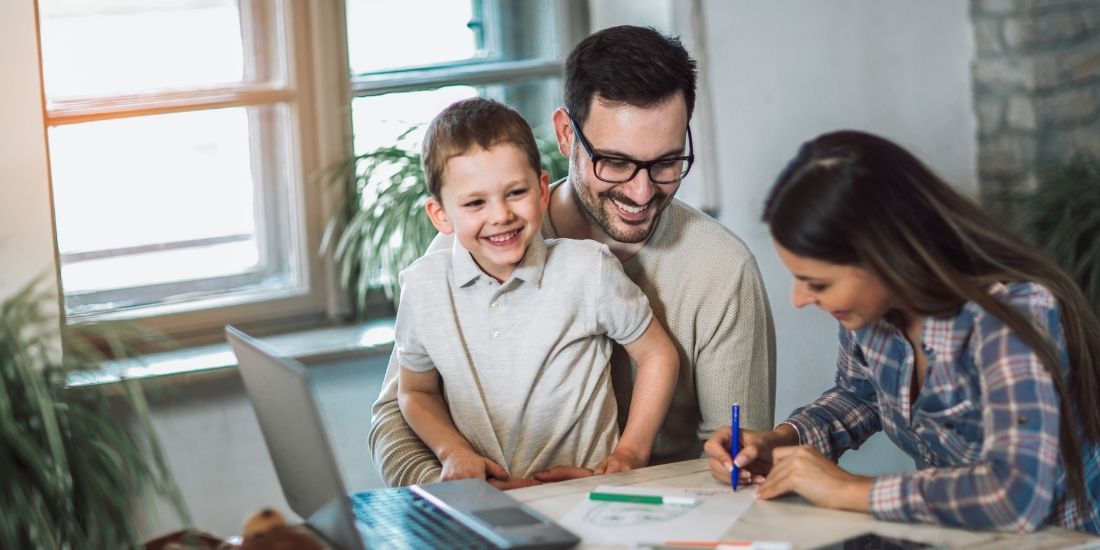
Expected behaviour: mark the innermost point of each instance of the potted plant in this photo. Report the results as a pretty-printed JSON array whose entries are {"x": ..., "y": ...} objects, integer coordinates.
[
  {"x": 70, "y": 467},
  {"x": 1062, "y": 216},
  {"x": 381, "y": 228}
]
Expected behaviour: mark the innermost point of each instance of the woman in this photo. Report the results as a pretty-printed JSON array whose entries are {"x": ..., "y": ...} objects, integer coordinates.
[{"x": 973, "y": 352}]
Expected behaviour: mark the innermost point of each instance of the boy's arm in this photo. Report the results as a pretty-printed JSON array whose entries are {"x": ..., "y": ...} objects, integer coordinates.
[
  {"x": 658, "y": 368},
  {"x": 420, "y": 397},
  {"x": 399, "y": 455}
]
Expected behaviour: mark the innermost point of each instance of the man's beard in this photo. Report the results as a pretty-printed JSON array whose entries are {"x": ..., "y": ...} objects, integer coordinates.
[{"x": 596, "y": 206}]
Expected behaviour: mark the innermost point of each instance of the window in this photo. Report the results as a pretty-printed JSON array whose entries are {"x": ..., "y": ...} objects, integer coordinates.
[
  {"x": 402, "y": 76},
  {"x": 187, "y": 137},
  {"x": 406, "y": 71},
  {"x": 174, "y": 132}
]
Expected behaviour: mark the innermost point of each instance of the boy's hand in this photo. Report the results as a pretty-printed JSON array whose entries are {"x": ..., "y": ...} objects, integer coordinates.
[
  {"x": 621, "y": 460},
  {"x": 466, "y": 464}
]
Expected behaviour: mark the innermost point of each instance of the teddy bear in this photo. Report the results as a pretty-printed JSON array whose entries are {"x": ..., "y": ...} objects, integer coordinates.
[{"x": 267, "y": 530}]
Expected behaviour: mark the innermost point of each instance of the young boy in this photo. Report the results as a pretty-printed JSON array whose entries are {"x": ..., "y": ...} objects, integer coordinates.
[{"x": 518, "y": 328}]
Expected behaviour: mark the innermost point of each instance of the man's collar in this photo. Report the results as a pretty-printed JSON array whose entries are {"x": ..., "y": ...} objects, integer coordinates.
[{"x": 466, "y": 271}]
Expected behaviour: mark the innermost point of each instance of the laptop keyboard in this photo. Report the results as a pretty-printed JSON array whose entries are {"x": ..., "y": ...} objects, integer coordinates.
[{"x": 399, "y": 518}]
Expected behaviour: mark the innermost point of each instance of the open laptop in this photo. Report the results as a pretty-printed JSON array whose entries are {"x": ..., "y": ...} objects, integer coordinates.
[{"x": 468, "y": 513}]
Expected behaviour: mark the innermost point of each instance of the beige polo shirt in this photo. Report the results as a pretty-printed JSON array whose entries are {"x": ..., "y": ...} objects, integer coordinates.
[{"x": 524, "y": 363}]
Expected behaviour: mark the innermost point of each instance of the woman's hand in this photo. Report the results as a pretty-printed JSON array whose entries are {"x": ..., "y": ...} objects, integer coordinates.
[
  {"x": 755, "y": 457},
  {"x": 809, "y": 473}
]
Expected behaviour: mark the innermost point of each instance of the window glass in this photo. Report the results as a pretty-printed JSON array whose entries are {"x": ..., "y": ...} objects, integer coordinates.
[
  {"x": 384, "y": 34},
  {"x": 175, "y": 188},
  {"x": 380, "y": 120},
  {"x": 112, "y": 47},
  {"x": 170, "y": 198}
]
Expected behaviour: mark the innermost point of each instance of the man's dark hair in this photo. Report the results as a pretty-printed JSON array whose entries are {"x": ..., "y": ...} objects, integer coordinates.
[{"x": 634, "y": 65}]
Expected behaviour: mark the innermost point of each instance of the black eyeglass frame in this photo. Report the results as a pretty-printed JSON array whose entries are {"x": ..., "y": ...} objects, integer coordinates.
[{"x": 638, "y": 164}]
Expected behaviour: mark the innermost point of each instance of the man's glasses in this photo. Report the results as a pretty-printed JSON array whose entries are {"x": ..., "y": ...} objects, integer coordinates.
[{"x": 622, "y": 170}]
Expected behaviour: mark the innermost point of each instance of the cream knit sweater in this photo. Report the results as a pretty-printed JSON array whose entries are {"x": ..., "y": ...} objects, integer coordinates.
[{"x": 704, "y": 286}]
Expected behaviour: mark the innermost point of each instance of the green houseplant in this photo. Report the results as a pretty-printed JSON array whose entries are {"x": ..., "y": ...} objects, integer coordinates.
[
  {"x": 381, "y": 228},
  {"x": 1062, "y": 216},
  {"x": 70, "y": 468}
]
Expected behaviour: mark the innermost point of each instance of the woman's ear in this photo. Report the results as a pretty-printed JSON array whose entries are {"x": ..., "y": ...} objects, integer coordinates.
[
  {"x": 563, "y": 130},
  {"x": 438, "y": 215}
]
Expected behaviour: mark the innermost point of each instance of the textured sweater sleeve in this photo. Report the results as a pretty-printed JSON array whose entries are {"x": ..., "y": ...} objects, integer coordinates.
[
  {"x": 735, "y": 354},
  {"x": 399, "y": 455}
]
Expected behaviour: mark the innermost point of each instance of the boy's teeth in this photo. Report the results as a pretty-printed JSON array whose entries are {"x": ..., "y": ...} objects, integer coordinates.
[
  {"x": 631, "y": 209},
  {"x": 504, "y": 237}
]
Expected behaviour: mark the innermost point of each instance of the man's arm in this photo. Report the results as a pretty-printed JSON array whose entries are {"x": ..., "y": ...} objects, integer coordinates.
[
  {"x": 399, "y": 455},
  {"x": 736, "y": 363}
]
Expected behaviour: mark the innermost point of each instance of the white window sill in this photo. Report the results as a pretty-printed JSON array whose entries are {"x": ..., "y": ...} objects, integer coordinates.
[{"x": 312, "y": 345}]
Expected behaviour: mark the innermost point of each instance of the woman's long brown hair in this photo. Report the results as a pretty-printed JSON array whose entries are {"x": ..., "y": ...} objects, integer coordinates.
[{"x": 853, "y": 198}]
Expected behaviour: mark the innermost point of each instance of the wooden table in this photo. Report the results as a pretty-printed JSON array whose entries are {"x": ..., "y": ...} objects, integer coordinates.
[{"x": 791, "y": 519}]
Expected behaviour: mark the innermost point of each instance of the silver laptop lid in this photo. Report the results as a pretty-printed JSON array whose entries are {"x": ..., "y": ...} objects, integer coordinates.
[{"x": 297, "y": 441}]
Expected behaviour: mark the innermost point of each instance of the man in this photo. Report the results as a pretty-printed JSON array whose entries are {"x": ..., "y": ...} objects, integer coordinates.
[{"x": 629, "y": 96}]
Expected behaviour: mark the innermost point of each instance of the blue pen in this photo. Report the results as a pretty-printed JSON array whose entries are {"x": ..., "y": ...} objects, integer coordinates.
[{"x": 735, "y": 443}]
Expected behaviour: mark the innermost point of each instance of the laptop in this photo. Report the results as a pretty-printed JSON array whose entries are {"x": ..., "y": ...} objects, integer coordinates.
[{"x": 468, "y": 513}]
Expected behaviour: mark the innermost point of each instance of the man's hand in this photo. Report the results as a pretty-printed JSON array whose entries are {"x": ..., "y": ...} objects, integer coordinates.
[
  {"x": 621, "y": 460},
  {"x": 562, "y": 473},
  {"x": 466, "y": 464},
  {"x": 755, "y": 458},
  {"x": 804, "y": 470},
  {"x": 513, "y": 483}
]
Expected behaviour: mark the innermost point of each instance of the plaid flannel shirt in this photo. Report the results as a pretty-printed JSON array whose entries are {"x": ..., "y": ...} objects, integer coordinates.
[{"x": 983, "y": 431}]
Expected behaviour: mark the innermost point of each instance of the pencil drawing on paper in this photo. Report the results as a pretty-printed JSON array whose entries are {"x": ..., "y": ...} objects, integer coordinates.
[{"x": 621, "y": 515}]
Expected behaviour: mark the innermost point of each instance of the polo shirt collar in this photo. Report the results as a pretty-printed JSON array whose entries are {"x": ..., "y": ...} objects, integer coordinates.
[{"x": 466, "y": 271}]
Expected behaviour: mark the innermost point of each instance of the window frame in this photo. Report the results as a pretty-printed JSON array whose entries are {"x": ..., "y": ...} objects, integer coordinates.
[
  {"x": 291, "y": 87},
  {"x": 318, "y": 90},
  {"x": 570, "y": 18}
]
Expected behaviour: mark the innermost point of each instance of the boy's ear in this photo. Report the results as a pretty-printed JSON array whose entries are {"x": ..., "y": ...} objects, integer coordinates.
[
  {"x": 563, "y": 130},
  {"x": 438, "y": 216},
  {"x": 544, "y": 189}
]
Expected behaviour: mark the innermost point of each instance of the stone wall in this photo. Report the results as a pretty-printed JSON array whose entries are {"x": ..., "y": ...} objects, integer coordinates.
[{"x": 1036, "y": 90}]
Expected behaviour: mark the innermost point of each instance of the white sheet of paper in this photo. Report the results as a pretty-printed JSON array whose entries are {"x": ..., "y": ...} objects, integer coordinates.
[{"x": 600, "y": 522}]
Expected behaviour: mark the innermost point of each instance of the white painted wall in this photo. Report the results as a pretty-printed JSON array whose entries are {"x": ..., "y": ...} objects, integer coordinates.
[
  {"x": 780, "y": 72},
  {"x": 26, "y": 234},
  {"x": 784, "y": 71}
]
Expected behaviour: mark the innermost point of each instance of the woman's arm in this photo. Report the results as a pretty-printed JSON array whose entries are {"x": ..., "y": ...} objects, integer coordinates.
[{"x": 845, "y": 415}]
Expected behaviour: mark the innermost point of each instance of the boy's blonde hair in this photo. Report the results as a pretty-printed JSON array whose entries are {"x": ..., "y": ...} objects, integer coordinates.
[{"x": 476, "y": 121}]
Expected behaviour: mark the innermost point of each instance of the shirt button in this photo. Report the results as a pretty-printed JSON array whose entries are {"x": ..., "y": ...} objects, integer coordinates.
[
  {"x": 496, "y": 335},
  {"x": 495, "y": 305}
]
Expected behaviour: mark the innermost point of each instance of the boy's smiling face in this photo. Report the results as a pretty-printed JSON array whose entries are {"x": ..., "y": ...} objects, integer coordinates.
[{"x": 493, "y": 201}]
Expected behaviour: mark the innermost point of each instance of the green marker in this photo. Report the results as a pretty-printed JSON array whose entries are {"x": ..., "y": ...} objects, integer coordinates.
[{"x": 643, "y": 499}]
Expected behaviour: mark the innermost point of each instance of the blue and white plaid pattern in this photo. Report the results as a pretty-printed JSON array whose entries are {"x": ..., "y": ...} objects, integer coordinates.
[{"x": 983, "y": 430}]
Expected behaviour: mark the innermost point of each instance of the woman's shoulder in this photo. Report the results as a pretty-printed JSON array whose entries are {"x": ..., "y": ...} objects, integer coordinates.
[
  {"x": 1034, "y": 299},
  {"x": 1025, "y": 294}
]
